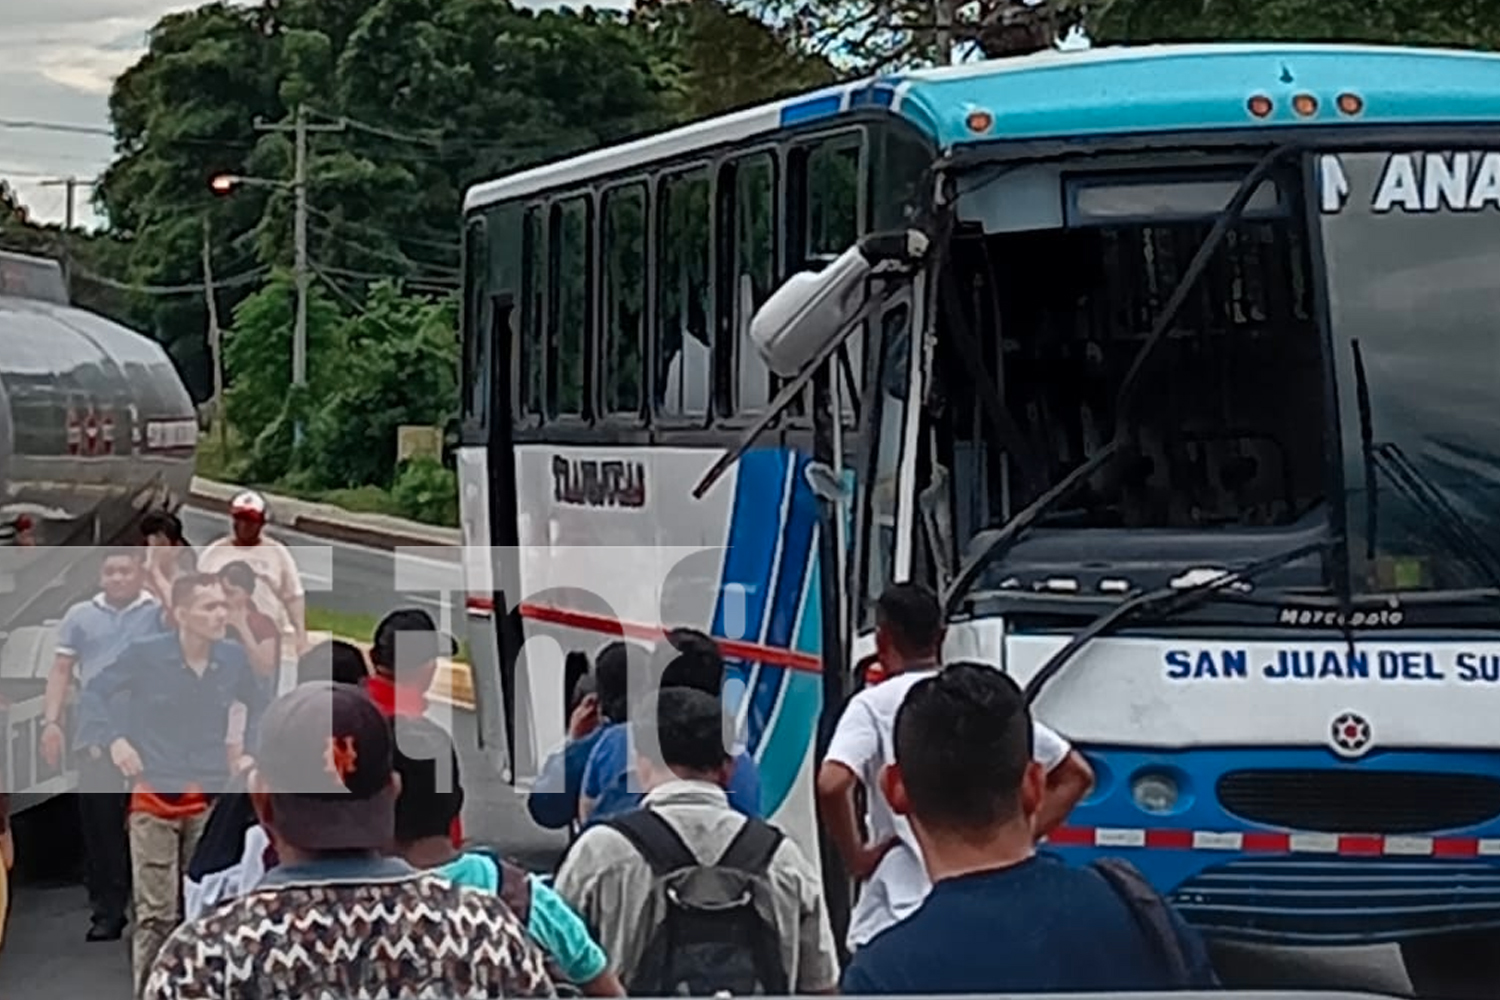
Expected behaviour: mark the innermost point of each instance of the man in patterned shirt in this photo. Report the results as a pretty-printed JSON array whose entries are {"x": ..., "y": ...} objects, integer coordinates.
[{"x": 335, "y": 918}]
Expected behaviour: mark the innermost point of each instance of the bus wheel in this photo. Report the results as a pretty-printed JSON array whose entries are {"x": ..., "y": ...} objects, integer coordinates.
[{"x": 1460, "y": 966}]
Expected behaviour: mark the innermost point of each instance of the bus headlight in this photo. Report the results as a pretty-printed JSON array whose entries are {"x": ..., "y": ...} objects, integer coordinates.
[{"x": 1154, "y": 793}]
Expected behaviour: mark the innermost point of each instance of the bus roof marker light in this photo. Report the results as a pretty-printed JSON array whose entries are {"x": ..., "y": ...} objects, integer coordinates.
[
  {"x": 1305, "y": 105},
  {"x": 1260, "y": 106},
  {"x": 979, "y": 121},
  {"x": 1350, "y": 104}
]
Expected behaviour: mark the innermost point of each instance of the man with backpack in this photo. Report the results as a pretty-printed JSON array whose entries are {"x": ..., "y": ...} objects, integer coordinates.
[
  {"x": 688, "y": 895},
  {"x": 1000, "y": 917}
]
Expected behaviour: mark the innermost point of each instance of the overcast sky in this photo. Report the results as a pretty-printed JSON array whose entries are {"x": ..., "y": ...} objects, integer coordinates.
[{"x": 58, "y": 59}]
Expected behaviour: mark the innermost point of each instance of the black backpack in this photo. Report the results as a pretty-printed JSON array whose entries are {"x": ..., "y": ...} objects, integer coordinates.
[
  {"x": 1150, "y": 912},
  {"x": 713, "y": 926}
]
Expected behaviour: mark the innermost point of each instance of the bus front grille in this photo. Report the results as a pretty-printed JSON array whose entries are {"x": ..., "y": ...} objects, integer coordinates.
[
  {"x": 1347, "y": 801},
  {"x": 1340, "y": 902}
]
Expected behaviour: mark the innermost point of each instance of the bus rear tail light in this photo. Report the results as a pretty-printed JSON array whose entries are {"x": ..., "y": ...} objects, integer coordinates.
[
  {"x": 1260, "y": 106},
  {"x": 1350, "y": 104}
]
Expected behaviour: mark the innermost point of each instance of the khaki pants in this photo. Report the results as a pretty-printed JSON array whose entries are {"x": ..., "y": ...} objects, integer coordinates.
[{"x": 160, "y": 850}]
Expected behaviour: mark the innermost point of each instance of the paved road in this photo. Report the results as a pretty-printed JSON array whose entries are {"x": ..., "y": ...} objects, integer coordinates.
[
  {"x": 351, "y": 579},
  {"x": 47, "y": 957}
]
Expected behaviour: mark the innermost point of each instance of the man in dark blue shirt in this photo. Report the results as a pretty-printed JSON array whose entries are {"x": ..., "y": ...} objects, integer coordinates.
[
  {"x": 164, "y": 711},
  {"x": 553, "y": 802},
  {"x": 1000, "y": 918}
]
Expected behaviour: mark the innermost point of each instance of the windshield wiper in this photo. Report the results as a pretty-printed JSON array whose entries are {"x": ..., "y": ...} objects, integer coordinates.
[
  {"x": 1008, "y": 535},
  {"x": 1387, "y": 459},
  {"x": 1162, "y": 604}
]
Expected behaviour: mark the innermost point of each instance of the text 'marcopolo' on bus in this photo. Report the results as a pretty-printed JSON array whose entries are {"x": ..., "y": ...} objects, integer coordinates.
[{"x": 1171, "y": 368}]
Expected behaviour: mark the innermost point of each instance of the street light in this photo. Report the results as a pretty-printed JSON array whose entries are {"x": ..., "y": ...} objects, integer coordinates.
[{"x": 226, "y": 183}]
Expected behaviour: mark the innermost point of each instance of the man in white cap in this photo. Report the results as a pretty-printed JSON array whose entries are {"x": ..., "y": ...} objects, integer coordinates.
[{"x": 282, "y": 596}]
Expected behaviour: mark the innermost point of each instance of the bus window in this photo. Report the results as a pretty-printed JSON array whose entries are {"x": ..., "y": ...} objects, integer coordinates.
[
  {"x": 833, "y": 197},
  {"x": 533, "y": 311},
  {"x": 754, "y": 274},
  {"x": 624, "y": 255},
  {"x": 569, "y": 283},
  {"x": 903, "y": 163},
  {"x": 831, "y": 185},
  {"x": 477, "y": 344},
  {"x": 683, "y": 361}
]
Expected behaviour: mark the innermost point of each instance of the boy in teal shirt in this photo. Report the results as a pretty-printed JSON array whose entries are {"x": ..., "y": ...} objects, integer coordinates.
[{"x": 431, "y": 798}]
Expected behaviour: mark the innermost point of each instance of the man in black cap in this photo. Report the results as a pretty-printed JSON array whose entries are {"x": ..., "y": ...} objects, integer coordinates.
[
  {"x": 404, "y": 652},
  {"x": 336, "y": 917}
]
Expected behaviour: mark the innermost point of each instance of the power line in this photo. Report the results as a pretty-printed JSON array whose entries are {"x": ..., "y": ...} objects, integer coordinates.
[
  {"x": 239, "y": 280},
  {"x": 453, "y": 246},
  {"x": 444, "y": 284},
  {"x": 41, "y": 126},
  {"x": 384, "y": 133},
  {"x": 382, "y": 254},
  {"x": 353, "y": 302}
]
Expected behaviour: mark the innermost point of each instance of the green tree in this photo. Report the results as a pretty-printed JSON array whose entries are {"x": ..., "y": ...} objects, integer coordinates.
[
  {"x": 182, "y": 114},
  {"x": 718, "y": 59},
  {"x": 398, "y": 365},
  {"x": 1470, "y": 24},
  {"x": 257, "y": 361}
]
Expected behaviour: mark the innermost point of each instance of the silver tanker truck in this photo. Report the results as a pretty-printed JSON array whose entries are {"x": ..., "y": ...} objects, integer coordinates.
[{"x": 96, "y": 427}]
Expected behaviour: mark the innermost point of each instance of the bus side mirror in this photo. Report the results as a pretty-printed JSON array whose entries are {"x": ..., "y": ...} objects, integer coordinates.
[{"x": 812, "y": 308}]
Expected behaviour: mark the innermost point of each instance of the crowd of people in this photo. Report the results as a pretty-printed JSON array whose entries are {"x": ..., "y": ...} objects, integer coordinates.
[{"x": 310, "y": 845}]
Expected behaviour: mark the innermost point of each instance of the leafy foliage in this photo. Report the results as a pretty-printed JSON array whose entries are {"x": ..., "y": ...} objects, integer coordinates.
[
  {"x": 399, "y": 366},
  {"x": 258, "y": 352}
]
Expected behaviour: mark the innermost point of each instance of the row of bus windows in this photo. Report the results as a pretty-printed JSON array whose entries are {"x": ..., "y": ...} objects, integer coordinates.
[{"x": 719, "y": 251}]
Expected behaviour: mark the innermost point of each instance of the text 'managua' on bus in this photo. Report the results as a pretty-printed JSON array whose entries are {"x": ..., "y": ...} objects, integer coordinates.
[{"x": 1184, "y": 403}]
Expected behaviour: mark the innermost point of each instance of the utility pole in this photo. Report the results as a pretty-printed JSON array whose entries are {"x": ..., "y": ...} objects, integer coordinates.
[
  {"x": 300, "y": 128},
  {"x": 215, "y": 345},
  {"x": 71, "y": 184},
  {"x": 943, "y": 11}
]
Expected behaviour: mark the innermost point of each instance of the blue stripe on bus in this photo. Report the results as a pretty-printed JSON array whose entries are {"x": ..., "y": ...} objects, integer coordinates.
[
  {"x": 880, "y": 95},
  {"x": 753, "y": 528},
  {"x": 796, "y": 549},
  {"x": 811, "y": 110},
  {"x": 801, "y": 703}
]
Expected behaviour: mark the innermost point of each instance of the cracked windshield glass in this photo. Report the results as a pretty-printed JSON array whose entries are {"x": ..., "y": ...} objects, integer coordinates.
[{"x": 697, "y": 498}]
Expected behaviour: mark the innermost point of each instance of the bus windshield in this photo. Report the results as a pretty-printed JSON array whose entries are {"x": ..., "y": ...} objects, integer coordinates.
[
  {"x": 1220, "y": 456},
  {"x": 1412, "y": 253}
]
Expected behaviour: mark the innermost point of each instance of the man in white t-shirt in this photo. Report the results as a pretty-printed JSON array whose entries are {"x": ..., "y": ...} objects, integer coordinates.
[
  {"x": 281, "y": 596},
  {"x": 908, "y": 636}
]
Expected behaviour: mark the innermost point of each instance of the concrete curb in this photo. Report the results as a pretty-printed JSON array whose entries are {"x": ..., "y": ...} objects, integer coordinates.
[{"x": 323, "y": 520}]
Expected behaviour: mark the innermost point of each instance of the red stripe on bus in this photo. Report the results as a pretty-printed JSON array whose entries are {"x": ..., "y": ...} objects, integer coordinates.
[
  {"x": 733, "y": 649},
  {"x": 1260, "y": 842},
  {"x": 1270, "y": 842}
]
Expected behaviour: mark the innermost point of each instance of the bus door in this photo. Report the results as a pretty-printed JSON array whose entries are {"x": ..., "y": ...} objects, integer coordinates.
[{"x": 487, "y": 493}]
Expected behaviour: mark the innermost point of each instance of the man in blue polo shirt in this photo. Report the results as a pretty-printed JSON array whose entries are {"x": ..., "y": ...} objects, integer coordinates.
[
  {"x": 610, "y": 786},
  {"x": 90, "y": 638}
]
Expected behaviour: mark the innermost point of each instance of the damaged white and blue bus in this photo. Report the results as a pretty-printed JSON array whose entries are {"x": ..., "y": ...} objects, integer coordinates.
[{"x": 1172, "y": 368}]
